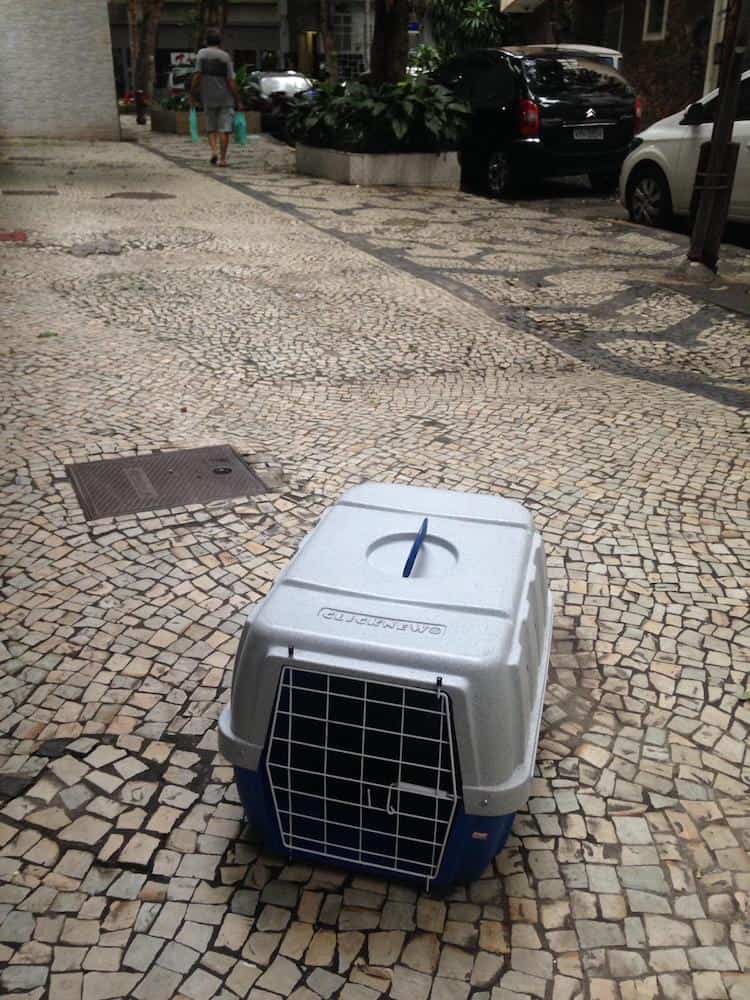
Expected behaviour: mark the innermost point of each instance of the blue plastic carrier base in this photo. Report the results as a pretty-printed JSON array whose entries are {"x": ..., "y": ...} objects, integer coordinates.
[{"x": 472, "y": 843}]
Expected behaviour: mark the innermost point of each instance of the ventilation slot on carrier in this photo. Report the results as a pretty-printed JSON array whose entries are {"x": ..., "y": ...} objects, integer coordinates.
[{"x": 362, "y": 771}]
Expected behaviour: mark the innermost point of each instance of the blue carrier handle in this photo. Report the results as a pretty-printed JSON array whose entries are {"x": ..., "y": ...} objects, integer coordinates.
[{"x": 416, "y": 546}]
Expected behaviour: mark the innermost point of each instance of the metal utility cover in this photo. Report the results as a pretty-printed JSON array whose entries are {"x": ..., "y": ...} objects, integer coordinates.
[{"x": 161, "y": 479}]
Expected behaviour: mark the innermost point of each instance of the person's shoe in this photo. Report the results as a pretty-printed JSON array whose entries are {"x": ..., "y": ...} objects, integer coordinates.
[{"x": 214, "y": 160}]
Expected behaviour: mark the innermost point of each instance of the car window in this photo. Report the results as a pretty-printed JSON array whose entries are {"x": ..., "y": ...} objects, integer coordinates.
[
  {"x": 598, "y": 57},
  {"x": 493, "y": 85},
  {"x": 559, "y": 77},
  {"x": 454, "y": 75},
  {"x": 286, "y": 84},
  {"x": 709, "y": 110},
  {"x": 743, "y": 108},
  {"x": 743, "y": 105},
  {"x": 482, "y": 80}
]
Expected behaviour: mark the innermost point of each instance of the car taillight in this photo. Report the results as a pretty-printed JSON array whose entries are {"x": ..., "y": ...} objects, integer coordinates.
[
  {"x": 638, "y": 112},
  {"x": 529, "y": 123}
]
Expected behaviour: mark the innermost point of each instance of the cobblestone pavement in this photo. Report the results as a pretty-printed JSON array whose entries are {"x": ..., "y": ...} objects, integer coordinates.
[{"x": 331, "y": 336}]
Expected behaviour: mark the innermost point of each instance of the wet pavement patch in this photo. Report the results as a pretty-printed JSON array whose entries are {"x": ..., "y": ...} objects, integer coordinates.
[
  {"x": 142, "y": 195},
  {"x": 159, "y": 480}
]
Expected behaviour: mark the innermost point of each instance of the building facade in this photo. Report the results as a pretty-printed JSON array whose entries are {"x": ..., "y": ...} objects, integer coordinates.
[
  {"x": 251, "y": 34},
  {"x": 56, "y": 80},
  {"x": 670, "y": 47}
]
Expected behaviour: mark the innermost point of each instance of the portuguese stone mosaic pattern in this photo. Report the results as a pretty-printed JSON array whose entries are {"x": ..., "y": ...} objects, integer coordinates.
[{"x": 335, "y": 335}]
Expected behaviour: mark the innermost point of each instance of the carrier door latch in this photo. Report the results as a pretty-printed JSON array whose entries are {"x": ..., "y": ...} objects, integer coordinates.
[{"x": 405, "y": 786}]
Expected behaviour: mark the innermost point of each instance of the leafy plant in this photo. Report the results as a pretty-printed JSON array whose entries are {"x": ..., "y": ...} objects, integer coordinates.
[
  {"x": 178, "y": 102},
  {"x": 465, "y": 24},
  {"x": 424, "y": 59},
  {"x": 415, "y": 116},
  {"x": 242, "y": 75}
]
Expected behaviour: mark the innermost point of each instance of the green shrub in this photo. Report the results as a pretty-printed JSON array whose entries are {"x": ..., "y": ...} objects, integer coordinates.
[
  {"x": 242, "y": 75},
  {"x": 424, "y": 59},
  {"x": 177, "y": 103},
  {"x": 459, "y": 25},
  {"x": 415, "y": 116}
]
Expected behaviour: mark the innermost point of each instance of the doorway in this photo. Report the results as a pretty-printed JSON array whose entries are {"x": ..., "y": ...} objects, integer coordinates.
[{"x": 307, "y": 52}]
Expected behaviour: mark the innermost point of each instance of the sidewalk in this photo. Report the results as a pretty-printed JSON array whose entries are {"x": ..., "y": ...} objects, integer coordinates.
[
  {"x": 595, "y": 291},
  {"x": 333, "y": 335}
]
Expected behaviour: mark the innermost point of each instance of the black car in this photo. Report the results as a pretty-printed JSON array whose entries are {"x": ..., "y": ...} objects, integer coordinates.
[
  {"x": 270, "y": 92},
  {"x": 537, "y": 113}
]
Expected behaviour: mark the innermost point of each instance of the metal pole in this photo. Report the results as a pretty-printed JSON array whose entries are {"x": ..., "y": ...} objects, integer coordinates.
[{"x": 714, "y": 184}]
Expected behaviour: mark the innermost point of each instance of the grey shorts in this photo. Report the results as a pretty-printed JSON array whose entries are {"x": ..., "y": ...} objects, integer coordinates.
[{"x": 219, "y": 119}]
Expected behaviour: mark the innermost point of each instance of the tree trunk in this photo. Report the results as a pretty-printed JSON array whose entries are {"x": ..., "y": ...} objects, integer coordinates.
[
  {"x": 390, "y": 41},
  {"x": 201, "y": 14},
  {"x": 209, "y": 14},
  {"x": 329, "y": 47},
  {"x": 146, "y": 60},
  {"x": 133, "y": 20}
]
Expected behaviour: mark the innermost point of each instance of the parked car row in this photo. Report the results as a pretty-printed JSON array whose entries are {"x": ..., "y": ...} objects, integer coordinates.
[
  {"x": 556, "y": 111},
  {"x": 553, "y": 111}
]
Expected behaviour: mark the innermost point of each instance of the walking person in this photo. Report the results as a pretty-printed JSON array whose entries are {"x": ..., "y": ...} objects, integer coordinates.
[{"x": 219, "y": 94}]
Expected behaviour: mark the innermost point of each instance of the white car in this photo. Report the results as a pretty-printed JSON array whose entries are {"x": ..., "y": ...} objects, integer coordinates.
[
  {"x": 658, "y": 176},
  {"x": 179, "y": 79}
]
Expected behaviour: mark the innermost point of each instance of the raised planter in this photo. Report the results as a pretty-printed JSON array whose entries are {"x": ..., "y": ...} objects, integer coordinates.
[
  {"x": 179, "y": 121},
  {"x": 439, "y": 170}
]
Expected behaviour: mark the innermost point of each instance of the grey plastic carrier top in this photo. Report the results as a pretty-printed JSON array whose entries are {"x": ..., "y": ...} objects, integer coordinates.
[{"x": 471, "y": 619}]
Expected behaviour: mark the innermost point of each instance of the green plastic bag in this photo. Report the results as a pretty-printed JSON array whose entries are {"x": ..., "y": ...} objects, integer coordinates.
[
  {"x": 240, "y": 128},
  {"x": 195, "y": 134}
]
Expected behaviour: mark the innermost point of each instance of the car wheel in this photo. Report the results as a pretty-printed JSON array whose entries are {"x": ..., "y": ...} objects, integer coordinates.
[
  {"x": 648, "y": 198},
  {"x": 604, "y": 183},
  {"x": 500, "y": 179}
]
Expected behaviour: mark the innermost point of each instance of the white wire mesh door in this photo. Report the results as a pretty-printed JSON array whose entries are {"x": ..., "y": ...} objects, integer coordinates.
[{"x": 362, "y": 771}]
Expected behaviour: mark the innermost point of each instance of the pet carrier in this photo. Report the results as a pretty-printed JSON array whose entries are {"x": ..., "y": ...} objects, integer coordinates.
[{"x": 388, "y": 691}]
